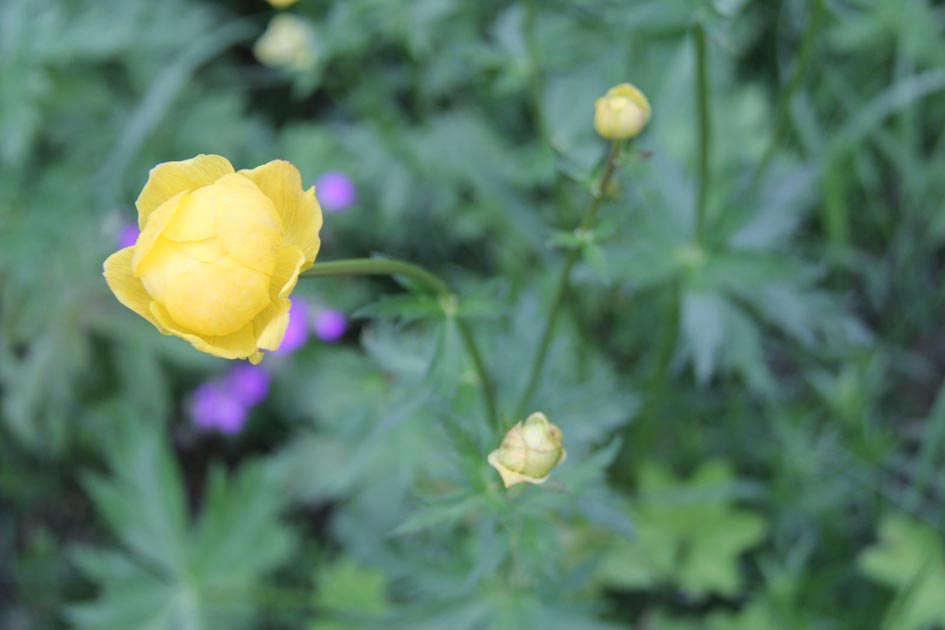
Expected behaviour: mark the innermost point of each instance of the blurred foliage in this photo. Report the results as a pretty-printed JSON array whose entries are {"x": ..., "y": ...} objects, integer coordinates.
[
  {"x": 752, "y": 409},
  {"x": 685, "y": 535},
  {"x": 910, "y": 558},
  {"x": 172, "y": 573}
]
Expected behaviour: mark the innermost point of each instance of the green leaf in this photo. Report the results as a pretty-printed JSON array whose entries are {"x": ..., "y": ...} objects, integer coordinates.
[
  {"x": 144, "y": 503},
  {"x": 444, "y": 513},
  {"x": 349, "y": 595},
  {"x": 704, "y": 322},
  {"x": 171, "y": 572},
  {"x": 688, "y": 534},
  {"x": 910, "y": 559}
]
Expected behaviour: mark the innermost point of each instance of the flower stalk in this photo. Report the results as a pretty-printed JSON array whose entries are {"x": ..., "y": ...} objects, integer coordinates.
[
  {"x": 436, "y": 286},
  {"x": 564, "y": 280}
]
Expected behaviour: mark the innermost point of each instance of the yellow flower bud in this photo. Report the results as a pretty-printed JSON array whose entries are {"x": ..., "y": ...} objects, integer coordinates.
[
  {"x": 281, "y": 4},
  {"x": 621, "y": 113},
  {"x": 288, "y": 42},
  {"x": 219, "y": 253},
  {"x": 529, "y": 452}
]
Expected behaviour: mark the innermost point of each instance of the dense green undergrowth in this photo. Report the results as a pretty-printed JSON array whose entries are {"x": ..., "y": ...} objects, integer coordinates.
[{"x": 747, "y": 369}]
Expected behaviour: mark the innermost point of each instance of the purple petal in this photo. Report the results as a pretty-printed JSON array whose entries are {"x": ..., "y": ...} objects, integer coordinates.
[
  {"x": 128, "y": 235},
  {"x": 234, "y": 421},
  {"x": 212, "y": 407},
  {"x": 335, "y": 191},
  {"x": 330, "y": 325},
  {"x": 296, "y": 333},
  {"x": 247, "y": 384}
]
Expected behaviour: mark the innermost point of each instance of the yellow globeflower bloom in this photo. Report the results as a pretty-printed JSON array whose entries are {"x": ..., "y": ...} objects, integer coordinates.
[
  {"x": 219, "y": 253},
  {"x": 621, "y": 113},
  {"x": 529, "y": 452},
  {"x": 281, "y": 4}
]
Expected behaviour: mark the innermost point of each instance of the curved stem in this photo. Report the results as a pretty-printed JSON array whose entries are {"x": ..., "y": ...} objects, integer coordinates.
[
  {"x": 378, "y": 267},
  {"x": 433, "y": 284},
  {"x": 564, "y": 280}
]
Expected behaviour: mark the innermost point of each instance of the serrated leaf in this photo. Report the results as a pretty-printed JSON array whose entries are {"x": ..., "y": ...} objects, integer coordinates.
[
  {"x": 704, "y": 323},
  {"x": 172, "y": 573},
  {"x": 687, "y": 533},
  {"x": 444, "y": 513}
]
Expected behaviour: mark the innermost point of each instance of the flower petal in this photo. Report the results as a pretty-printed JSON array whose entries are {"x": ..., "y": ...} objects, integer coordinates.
[
  {"x": 247, "y": 222},
  {"x": 301, "y": 214},
  {"x": 271, "y": 323},
  {"x": 170, "y": 178},
  {"x": 238, "y": 345},
  {"x": 285, "y": 274},
  {"x": 509, "y": 476},
  {"x": 195, "y": 219},
  {"x": 216, "y": 299},
  {"x": 159, "y": 221},
  {"x": 127, "y": 288}
]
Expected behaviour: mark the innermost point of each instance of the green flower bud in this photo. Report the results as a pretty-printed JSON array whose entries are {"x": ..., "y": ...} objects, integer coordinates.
[{"x": 529, "y": 452}]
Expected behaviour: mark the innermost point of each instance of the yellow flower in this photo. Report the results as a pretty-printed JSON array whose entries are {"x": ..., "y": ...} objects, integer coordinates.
[
  {"x": 529, "y": 452},
  {"x": 288, "y": 42},
  {"x": 281, "y": 4},
  {"x": 621, "y": 113},
  {"x": 219, "y": 253}
]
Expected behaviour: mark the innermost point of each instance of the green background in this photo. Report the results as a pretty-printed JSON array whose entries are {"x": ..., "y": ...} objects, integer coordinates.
[{"x": 752, "y": 410}]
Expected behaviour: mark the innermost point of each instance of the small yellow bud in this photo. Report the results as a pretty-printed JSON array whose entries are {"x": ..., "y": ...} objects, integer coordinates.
[
  {"x": 288, "y": 42},
  {"x": 281, "y": 4},
  {"x": 621, "y": 113},
  {"x": 529, "y": 452}
]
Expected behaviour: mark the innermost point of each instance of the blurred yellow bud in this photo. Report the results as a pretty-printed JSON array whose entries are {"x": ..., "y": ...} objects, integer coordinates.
[
  {"x": 529, "y": 452},
  {"x": 288, "y": 42},
  {"x": 621, "y": 113},
  {"x": 281, "y": 4}
]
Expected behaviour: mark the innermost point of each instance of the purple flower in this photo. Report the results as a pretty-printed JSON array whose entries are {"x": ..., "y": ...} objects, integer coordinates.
[
  {"x": 296, "y": 333},
  {"x": 335, "y": 191},
  {"x": 128, "y": 235},
  {"x": 330, "y": 325},
  {"x": 214, "y": 407},
  {"x": 247, "y": 384}
]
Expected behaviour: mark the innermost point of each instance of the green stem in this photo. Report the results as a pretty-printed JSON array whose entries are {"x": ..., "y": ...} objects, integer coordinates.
[
  {"x": 383, "y": 267},
  {"x": 644, "y": 431},
  {"x": 705, "y": 127},
  {"x": 782, "y": 111},
  {"x": 379, "y": 267},
  {"x": 667, "y": 343},
  {"x": 564, "y": 280},
  {"x": 933, "y": 434},
  {"x": 535, "y": 80}
]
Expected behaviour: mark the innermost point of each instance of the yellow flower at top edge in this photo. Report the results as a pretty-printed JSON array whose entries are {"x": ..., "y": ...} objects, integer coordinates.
[
  {"x": 281, "y": 4},
  {"x": 621, "y": 113},
  {"x": 529, "y": 452},
  {"x": 219, "y": 253}
]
